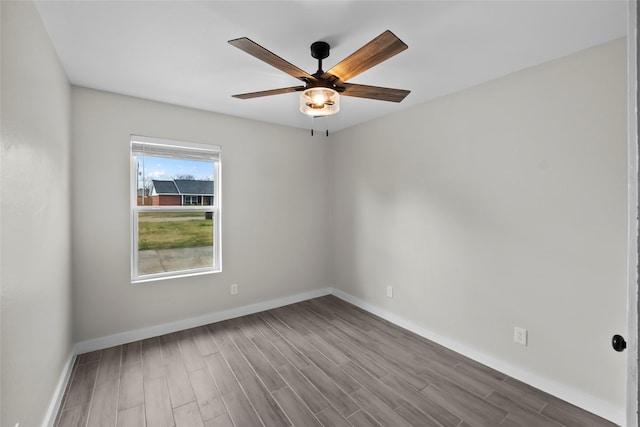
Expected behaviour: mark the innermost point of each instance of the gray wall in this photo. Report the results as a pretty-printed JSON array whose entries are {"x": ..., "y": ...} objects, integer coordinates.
[
  {"x": 35, "y": 216},
  {"x": 499, "y": 206},
  {"x": 274, "y": 217}
]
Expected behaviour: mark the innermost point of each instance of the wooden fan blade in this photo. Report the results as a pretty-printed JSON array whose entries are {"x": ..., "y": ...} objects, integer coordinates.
[
  {"x": 254, "y": 49},
  {"x": 374, "y": 92},
  {"x": 377, "y": 50},
  {"x": 269, "y": 92}
]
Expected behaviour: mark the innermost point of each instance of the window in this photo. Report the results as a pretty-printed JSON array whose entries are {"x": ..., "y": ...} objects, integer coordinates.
[{"x": 175, "y": 208}]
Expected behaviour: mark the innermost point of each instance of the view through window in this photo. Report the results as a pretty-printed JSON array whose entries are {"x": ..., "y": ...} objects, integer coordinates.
[{"x": 176, "y": 208}]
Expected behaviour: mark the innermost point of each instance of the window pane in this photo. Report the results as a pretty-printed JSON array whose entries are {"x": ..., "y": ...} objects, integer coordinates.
[
  {"x": 164, "y": 181},
  {"x": 176, "y": 208},
  {"x": 174, "y": 241}
]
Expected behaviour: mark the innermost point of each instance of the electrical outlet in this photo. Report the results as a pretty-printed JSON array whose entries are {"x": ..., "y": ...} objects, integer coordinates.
[
  {"x": 234, "y": 288},
  {"x": 520, "y": 336},
  {"x": 390, "y": 291}
]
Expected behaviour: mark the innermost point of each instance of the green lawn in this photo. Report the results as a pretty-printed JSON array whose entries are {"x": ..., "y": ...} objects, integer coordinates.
[
  {"x": 170, "y": 214},
  {"x": 175, "y": 234}
]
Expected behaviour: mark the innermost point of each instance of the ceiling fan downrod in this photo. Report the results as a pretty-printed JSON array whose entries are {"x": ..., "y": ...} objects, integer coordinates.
[{"x": 320, "y": 51}]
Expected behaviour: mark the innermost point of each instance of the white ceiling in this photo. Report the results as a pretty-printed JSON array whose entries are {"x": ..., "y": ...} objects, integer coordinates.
[{"x": 177, "y": 51}]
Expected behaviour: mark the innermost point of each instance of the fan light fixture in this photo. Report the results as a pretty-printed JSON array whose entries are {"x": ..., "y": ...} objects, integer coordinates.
[
  {"x": 319, "y": 96},
  {"x": 319, "y": 101}
]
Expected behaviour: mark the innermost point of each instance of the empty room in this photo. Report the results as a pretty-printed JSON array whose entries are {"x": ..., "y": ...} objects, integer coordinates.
[{"x": 305, "y": 213}]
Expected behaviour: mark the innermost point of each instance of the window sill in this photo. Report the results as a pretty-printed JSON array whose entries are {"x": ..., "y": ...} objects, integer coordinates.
[{"x": 177, "y": 275}]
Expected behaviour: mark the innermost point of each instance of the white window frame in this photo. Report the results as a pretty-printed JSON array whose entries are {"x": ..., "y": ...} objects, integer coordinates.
[{"x": 158, "y": 147}]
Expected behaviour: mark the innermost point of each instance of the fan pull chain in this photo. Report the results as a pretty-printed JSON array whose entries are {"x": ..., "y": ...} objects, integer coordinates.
[{"x": 313, "y": 122}]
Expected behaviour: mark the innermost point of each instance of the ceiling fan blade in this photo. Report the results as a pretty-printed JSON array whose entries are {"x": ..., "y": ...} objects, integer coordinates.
[
  {"x": 377, "y": 50},
  {"x": 374, "y": 92},
  {"x": 269, "y": 92},
  {"x": 254, "y": 49}
]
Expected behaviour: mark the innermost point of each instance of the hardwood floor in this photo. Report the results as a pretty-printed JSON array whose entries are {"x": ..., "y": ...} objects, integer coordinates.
[{"x": 321, "y": 362}]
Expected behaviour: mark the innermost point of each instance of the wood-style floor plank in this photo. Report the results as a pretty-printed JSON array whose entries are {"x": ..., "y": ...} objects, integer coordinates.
[
  {"x": 271, "y": 353},
  {"x": 415, "y": 417},
  {"x": 221, "y": 373},
  {"x": 291, "y": 353},
  {"x": 338, "y": 398},
  {"x": 158, "y": 403},
  {"x": 318, "y": 362},
  {"x": 380, "y": 390},
  {"x": 230, "y": 352},
  {"x": 190, "y": 351},
  {"x": 520, "y": 414},
  {"x": 180, "y": 389},
  {"x": 262, "y": 367},
  {"x": 362, "y": 419},
  {"x": 207, "y": 395},
  {"x": 464, "y": 404},
  {"x": 240, "y": 410},
  {"x": 131, "y": 389},
  {"x": 74, "y": 417},
  {"x": 263, "y": 401},
  {"x": 338, "y": 376},
  {"x": 418, "y": 400},
  {"x": 330, "y": 350},
  {"x": 303, "y": 388},
  {"x": 570, "y": 416},
  {"x": 474, "y": 380},
  {"x": 132, "y": 417},
  {"x": 295, "y": 409},
  {"x": 378, "y": 409},
  {"x": 188, "y": 416},
  {"x": 331, "y": 417},
  {"x": 360, "y": 355},
  {"x": 92, "y": 356},
  {"x": 530, "y": 400},
  {"x": 131, "y": 353},
  {"x": 221, "y": 421},
  {"x": 81, "y": 385},
  {"x": 204, "y": 341},
  {"x": 104, "y": 403},
  {"x": 152, "y": 364}
]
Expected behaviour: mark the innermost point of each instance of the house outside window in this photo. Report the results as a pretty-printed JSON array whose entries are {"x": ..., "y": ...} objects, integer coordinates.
[
  {"x": 175, "y": 214},
  {"x": 183, "y": 192}
]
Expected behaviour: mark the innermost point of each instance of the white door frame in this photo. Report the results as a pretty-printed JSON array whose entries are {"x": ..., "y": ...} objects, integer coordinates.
[{"x": 633, "y": 365}]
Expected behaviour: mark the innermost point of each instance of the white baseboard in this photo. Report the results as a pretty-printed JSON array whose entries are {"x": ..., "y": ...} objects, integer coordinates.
[
  {"x": 574, "y": 396},
  {"x": 154, "y": 331},
  {"x": 56, "y": 402}
]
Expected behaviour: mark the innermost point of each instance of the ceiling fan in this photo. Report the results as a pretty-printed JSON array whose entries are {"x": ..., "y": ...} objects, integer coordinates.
[{"x": 321, "y": 90}]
